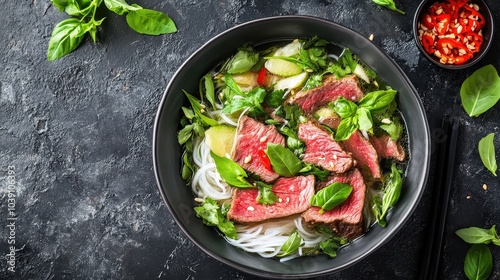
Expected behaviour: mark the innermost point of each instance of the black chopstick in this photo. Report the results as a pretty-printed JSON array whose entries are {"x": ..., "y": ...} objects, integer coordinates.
[{"x": 431, "y": 260}]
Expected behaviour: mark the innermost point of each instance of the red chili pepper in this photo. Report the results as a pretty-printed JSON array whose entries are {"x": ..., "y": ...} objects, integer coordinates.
[
  {"x": 261, "y": 78},
  {"x": 428, "y": 43},
  {"x": 442, "y": 23},
  {"x": 473, "y": 38},
  {"x": 264, "y": 159},
  {"x": 473, "y": 12},
  {"x": 427, "y": 21}
]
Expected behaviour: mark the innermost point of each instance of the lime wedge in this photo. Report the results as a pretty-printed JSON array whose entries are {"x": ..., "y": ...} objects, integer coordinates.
[{"x": 220, "y": 139}]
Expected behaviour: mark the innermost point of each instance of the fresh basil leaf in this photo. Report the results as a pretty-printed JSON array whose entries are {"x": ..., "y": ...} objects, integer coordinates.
[
  {"x": 187, "y": 167},
  {"x": 486, "y": 149},
  {"x": 475, "y": 235},
  {"x": 231, "y": 172},
  {"x": 291, "y": 245},
  {"x": 198, "y": 110},
  {"x": 188, "y": 113},
  {"x": 389, "y": 4},
  {"x": 377, "y": 210},
  {"x": 311, "y": 169},
  {"x": 212, "y": 215},
  {"x": 283, "y": 161},
  {"x": 331, "y": 196},
  {"x": 251, "y": 101},
  {"x": 346, "y": 128},
  {"x": 391, "y": 193},
  {"x": 81, "y": 8},
  {"x": 365, "y": 122},
  {"x": 61, "y": 4},
  {"x": 394, "y": 128},
  {"x": 185, "y": 134},
  {"x": 330, "y": 247},
  {"x": 378, "y": 101},
  {"x": 266, "y": 194},
  {"x": 209, "y": 89},
  {"x": 65, "y": 38},
  {"x": 344, "y": 108},
  {"x": 150, "y": 22},
  {"x": 480, "y": 91},
  {"x": 242, "y": 61},
  {"x": 478, "y": 262},
  {"x": 120, "y": 7}
]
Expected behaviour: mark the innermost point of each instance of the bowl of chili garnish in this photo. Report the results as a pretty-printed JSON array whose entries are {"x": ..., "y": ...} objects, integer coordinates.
[{"x": 453, "y": 34}]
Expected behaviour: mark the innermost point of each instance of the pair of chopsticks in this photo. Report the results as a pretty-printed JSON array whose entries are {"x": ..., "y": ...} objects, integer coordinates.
[{"x": 431, "y": 260}]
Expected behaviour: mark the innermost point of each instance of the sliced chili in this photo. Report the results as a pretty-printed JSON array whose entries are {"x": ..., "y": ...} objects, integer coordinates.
[
  {"x": 451, "y": 30},
  {"x": 261, "y": 78},
  {"x": 265, "y": 159}
]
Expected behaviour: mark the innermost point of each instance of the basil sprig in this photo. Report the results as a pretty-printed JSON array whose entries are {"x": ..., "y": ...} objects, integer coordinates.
[
  {"x": 480, "y": 91},
  {"x": 331, "y": 196},
  {"x": 360, "y": 116},
  {"x": 389, "y": 195},
  {"x": 214, "y": 214},
  {"x": 69, "y": 33},
  {"x": 292, "y": 244},
  {"x": 486, "y": 149},
  {"x": 478, "y": 262}
]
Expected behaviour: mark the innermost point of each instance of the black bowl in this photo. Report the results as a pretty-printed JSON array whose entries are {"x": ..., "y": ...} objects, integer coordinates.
[
  {"x": 487, "y": 34},
  {"x": 167, "y": 153}
]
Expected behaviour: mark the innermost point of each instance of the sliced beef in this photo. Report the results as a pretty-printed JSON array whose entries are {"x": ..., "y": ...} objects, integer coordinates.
[
  {"x": 322, "y": 150},
  {"x": 347, "y": 218},
  {"x": 294, "y": 196},
  {"x": 388, "y": 148},
  {"x": 251, "y": 141},
  {"x": 364, "y": 153},
  {"x": 330, "y": 90}
]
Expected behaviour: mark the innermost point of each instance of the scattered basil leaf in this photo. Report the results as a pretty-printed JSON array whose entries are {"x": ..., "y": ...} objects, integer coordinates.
[
  {"x": 266, "y": 194},
  {"x": 394, "y": 128},
  {"x": 291, "y": 245},
  {"x": 377, "y": 101},
  {"x": 242, "y": 61},
  {"x": 390, "y": 195},
  {"x": 330, "y": 247},
  {"x": 283, "y": 161},
  {"x": 478, "y": 262},
  {"x": 480, "y": 91},
  {"x": 208, "y": 89},
  {"x": 475, "y": 235},
  {"x": 120, "y": 7},
  {"x": 331, "y": 196},
  {"x": 185, "y": 134},
  {"x": 365, "y": 122},
  {"x": 389, "y": 4},
  {"x": 150, "y": 22},
  {"x": 486, "y": 149},
  {"x": 231, "y": 172},
  {"x": 311, "y": 169},
  {"x": 214, "y": 215},
  {"x": 346, "y": 128},
  {"x": 344, "y": 108},
  {"x": 65, "y": 38},
  {"x": 198, "y": 110}
]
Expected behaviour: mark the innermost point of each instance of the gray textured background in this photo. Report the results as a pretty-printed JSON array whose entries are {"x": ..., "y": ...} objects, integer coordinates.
[{"x": 78, "y": 133}]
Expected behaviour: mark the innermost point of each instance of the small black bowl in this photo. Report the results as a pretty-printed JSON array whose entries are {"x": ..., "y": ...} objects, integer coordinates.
[
  {"x": 487, "y": 32},
  {"x": 167, "y": 152}
]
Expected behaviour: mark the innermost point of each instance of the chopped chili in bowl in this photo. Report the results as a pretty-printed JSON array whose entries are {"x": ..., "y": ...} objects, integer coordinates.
[{"x": 451, "y": 30}]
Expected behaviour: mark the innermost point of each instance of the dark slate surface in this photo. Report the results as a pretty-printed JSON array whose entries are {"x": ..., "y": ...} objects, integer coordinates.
[{"x": 77, "y": 133}]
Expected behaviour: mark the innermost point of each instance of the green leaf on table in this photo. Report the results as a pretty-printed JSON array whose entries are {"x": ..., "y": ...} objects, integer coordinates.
[
  {"x": 476, "y": 235},
  {"x": 291, "y": 245},
  {"x": 231, "y": 172},
  {"x": 150, "y": 22},
  {"x": 486, "y": 149},
  {"x": 480, "y": 91},
  {"x": 331, "y": 196},
  {"x": 389, "y": 4},
  {"x": 120, "y": 7},
  {"x": 478, "y": 262},
  {"x": 65, "y": 38},
  {"x": 283, "y": 161}
]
